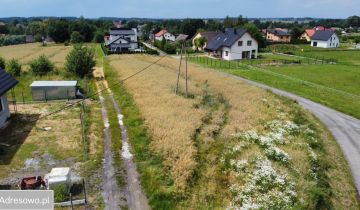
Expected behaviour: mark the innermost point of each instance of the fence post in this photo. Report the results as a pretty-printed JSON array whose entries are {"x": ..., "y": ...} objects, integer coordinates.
[
  {"x": 22, "y": 94},
  {"x": 71, "y": 202},
  {"x": 84, "y": 191}
]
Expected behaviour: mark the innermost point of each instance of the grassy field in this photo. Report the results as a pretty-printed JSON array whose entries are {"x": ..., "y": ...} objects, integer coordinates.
[
  {"x": 26, "y": 53},
  {"x": 329, "y": 84},
  {"x": 210, "y": 150},
  {"x": 27, "y": 137}
]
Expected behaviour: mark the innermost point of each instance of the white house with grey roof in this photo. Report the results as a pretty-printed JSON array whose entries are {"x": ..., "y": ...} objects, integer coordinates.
[
  {"x": 122, "y": 40},
  {"x": 325, "y": 39},
  {"x": 7, "y": 82},
  {"x": 233, "y": 44}
]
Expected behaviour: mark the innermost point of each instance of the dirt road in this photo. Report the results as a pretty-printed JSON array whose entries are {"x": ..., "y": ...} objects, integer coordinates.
[
  {"x": 345, "y": 129},
  {"x": 136, "y": 199}
]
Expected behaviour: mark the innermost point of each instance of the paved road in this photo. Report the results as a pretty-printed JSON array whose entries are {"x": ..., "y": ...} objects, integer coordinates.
[
  {"x": 345, "y": 129},
  {"x": 161, "y": 53}
]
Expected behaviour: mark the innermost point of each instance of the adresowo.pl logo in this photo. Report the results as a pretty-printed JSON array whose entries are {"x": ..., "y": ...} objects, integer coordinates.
[{"x": 27, "y": 199}]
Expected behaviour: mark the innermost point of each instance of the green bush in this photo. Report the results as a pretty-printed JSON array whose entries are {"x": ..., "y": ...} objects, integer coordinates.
[
  {"x": 80, "y": 61},
  {"x": 60, "y": 193},
  {"x": 2, "y": 63},
  {"x": 13, "y": 67},
  {"x": 76, "y": 37},
  {"x": 41, "y": 65}
]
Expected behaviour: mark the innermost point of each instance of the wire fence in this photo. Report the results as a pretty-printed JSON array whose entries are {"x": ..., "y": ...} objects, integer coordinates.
[{"x": 218, "y": 63}]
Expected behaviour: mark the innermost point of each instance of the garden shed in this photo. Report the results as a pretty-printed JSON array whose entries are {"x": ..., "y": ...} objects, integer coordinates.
[{"x": 53, "y": 90}]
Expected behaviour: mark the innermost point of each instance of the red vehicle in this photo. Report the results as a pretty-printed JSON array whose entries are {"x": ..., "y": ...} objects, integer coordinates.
[{"x": 32, "y": 183}]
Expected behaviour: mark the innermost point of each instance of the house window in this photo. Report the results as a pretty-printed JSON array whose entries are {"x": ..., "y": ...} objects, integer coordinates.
[
  {"x": 249, "y": 43},
  {"x": 240, "y": 43},
  {"x": 314, "y": 44},
  {"x": 226, "y": 53}
]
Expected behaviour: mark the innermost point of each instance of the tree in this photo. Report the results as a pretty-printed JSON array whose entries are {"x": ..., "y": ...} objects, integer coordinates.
[
  {"x": 295, "y": 33},
  {"x": 228, "y": 22},
  {"x": 84, "y": 27},
  {"x": 2, "y": 63},
  {"x": 241, "y": 21},
  {"x": 354, "y": 21},
  {"x": 41, "y": 65},
  {"x": 36, "y": 27},
  {"x": 58, "y": 30},
  {"x": 80, "y": 61},
  {"x": 76, "y": 37},
  {"x": 200, "y": 42},
  {"x": 13, "y": 67},
  {"x": 99, "y": 36},
  {"x": 255, "y": 32}
]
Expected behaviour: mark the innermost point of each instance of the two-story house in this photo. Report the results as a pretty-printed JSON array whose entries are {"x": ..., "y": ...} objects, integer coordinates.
[
  {"x": 164, "y": 34},
  {"x": 277, "y": 35},
  {"x": 122, "y": 40},
  {"x": 325, "y": 39},
  {"x": 233, "y": 44}
]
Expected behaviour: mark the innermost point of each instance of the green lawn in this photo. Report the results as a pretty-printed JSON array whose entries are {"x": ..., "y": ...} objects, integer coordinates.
[{"x": 334, "y": 85}]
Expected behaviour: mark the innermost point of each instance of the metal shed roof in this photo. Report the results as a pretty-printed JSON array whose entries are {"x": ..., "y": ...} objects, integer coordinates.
[
  {"x": 6, "y": 81},
  {"x": 53, "y": 84}
]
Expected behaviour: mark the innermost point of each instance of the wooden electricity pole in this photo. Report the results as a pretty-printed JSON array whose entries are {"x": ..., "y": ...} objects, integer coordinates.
[{"x": 178, "y": 76}]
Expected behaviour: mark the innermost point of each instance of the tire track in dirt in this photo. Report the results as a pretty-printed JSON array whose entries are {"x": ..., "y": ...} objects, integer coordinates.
[{"x": 136, "y": 198}]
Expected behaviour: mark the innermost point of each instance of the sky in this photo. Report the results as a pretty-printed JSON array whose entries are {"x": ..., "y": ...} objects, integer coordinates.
[{"x": 180, "y": 8}]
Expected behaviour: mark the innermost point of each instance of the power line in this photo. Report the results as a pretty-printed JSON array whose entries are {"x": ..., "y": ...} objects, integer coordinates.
[{"x": 118, "y": 83}]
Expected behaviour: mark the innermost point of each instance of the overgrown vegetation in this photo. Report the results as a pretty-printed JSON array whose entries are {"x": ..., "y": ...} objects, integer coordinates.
[
  {"x": 13, "y": 67},
  {"x": 215, "y": 118}
]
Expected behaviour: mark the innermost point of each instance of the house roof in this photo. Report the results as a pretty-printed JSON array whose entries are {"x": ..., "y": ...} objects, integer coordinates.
[
  {"x": 322, "y": 35},
  {"x": 209, "y": 35},
  {"x": 278, "y": 32},
  {"x": 226, "y": 39},
  {"x": 310, "y": 32},
  {"x": 181, "y": 37},
  {"x": 161, "y": 33},
  {"x": 6, "y": 82},
  {"x": 54, "y": 84},
  {"x": 121, "y": 31}
]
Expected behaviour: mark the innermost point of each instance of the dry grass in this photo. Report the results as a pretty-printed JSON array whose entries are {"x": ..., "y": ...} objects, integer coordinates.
[
  {"x": 27, "y": 52},
  {"x": 29, "y": 139},
  {"x": 173, "y": 121}
]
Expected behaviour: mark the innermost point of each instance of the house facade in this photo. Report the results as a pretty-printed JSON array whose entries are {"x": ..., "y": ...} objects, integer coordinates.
[
  {"x": 277, "y": 35},
  {"x": 308, "y": 33},
  {"x": 208, "y": 35},
  {"x": 7, "y": 82},
  {"x": 325, "y": 39},
  {"x": 122, "y": 40},
  {"x": 164, "y": 34},
  {"x": 233, "y": 44}
]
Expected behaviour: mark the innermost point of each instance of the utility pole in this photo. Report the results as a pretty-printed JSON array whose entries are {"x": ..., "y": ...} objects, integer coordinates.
[{"x": 178, "y": 76}]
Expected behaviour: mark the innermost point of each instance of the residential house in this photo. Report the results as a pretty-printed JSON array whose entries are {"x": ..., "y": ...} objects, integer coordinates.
[
  {"x": 357, "y": 46},
  {"x": 122, "y": 40},
  {"x": 164, "y": 34},
  {"x": 308, "y": 33},
  {"x": 276, "y": 35},
  {"x": 325, "y": 39},
  {"x": 233, "y": 44},
  {"x": 208, "y": 35},
  {"x": 181, "y": 38},
  {"x": 7, "y": 82}
]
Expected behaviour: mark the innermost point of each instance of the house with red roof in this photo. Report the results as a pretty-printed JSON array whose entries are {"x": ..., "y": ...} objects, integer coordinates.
[
  {"x": 164, "y": 34},
  {"x": 308, "y": 33}
]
